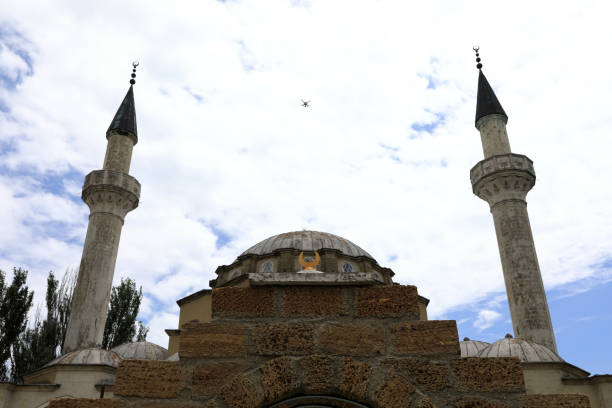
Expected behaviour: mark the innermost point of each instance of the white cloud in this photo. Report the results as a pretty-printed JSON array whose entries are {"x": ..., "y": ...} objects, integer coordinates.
[
  {"x": 249, "y": 160},
  {"x": 486, "y": 318}
]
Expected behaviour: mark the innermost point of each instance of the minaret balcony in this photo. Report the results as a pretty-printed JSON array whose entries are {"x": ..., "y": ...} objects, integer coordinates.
[
  {"x": 503, "y": 177},
  {"x": 108, "y": 191}
]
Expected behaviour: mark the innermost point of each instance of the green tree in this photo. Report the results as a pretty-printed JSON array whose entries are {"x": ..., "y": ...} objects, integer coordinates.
[
  {"x": 121, "y": 320},
  {"x": 142, "y": 332},
  {"x": 42, "y": 342},
  {"x": 15, "y": 303}
]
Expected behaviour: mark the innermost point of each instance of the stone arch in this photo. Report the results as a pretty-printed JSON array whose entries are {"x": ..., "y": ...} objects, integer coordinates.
[
  {"x": 329, "y": 381},
  {"x": 320, "y": 401}
]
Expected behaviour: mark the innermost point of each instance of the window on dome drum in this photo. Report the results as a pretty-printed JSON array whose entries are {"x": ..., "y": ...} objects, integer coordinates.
[
  {"x": 347, "y": 267},
  {"x": 267, "y": 266}
]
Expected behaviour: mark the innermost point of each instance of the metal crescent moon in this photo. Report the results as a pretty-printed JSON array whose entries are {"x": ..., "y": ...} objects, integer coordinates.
[
  {"x": 476, "y": 48},
  {"x": 309, "y": 265},
  {"x": 135, "y": 64}
]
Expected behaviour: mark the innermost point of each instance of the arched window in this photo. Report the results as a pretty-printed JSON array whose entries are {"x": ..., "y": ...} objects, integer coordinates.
[
  {"x": 267, "y": 266},
  {"x": 322, "y": 401},
  {"x": 347, "y": 267}
]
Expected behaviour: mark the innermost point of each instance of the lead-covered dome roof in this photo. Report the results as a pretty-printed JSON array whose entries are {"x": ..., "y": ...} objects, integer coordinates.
[
  {"x": 88, "y": 356},
  {"x": 306, "y": 241},
  {"x": 471, "y": 348},
  {"x": 525, "y": 350},
  {"x": 141, "y": 350}
]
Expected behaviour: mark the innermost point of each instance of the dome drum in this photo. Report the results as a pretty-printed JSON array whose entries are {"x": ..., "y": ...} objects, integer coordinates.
[
  {"x": 280, "y": 254},
  {"x": 286, "y": 260}
]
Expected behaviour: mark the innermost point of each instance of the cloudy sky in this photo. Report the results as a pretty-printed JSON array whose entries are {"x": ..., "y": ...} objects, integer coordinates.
[{"x": 227, "y": 156}]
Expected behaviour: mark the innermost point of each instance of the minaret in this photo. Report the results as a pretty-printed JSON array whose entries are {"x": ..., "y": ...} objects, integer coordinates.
[
  {"x": 110, "y": 194},
  {"x": 503, "y": 179}
]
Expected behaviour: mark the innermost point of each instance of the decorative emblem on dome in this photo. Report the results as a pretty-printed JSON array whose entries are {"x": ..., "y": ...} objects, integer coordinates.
[{"x": 309, "y": 266}]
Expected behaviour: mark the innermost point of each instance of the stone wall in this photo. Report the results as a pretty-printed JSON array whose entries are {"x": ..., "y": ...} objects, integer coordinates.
[{"x": 274, "y": 346}]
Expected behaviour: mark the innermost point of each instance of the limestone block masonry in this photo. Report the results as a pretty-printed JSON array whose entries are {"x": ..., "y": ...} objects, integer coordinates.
[
  {"x": 110, "y": 194},
  {"x": 504, "y": 181},
  {"x": 364, "y": 348}
]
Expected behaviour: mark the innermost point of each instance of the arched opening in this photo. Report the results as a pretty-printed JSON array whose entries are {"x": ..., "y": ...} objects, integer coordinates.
[{"x": 317, "y": 401}]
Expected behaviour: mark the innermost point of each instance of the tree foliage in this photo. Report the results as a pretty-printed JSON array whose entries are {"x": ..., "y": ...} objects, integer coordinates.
[
  {"x": 123, "y": 308},
  {"x": 15, "y": 303},
  {"x": 24, "y": 349},
  {"x": 43, "y": 341}
]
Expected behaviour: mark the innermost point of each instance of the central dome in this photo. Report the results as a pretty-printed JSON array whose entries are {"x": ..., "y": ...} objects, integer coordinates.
[{"x": 306, "y": 241}]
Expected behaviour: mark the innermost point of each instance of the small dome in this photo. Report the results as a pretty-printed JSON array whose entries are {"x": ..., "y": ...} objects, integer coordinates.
[
  {"x": 471, "y": 348},
  {"x": 174, "y": 357},
  {"x": 141, "y": 350},
  {"x": 525, "y": 350},
  {"x": 306, "y": 241},
  {"x": 88, "y": 356}
]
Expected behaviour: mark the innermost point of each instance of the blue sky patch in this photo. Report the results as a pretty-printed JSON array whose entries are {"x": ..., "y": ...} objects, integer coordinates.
[
  {"x": 13, "y": 42},
  {"x": 391, "y": 150},
  {"x": 223, "y": 237},
  {"x": 432, "y": 83},
  {"x": 431, "y": 126},
  {"x": 582, "y": 323},
  {"x": 246, "y": 57},
  {"x": 199, "y": 98}
]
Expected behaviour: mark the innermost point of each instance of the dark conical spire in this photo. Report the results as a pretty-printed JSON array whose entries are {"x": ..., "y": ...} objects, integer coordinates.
[
  {"x": 124, "y": 121},
  {"x": 486, "y": 103}
]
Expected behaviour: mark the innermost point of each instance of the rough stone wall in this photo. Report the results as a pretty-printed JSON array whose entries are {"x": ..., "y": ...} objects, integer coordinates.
[
  {"x": 555, "y": 401},
  {"x": 364, "y": 344}
]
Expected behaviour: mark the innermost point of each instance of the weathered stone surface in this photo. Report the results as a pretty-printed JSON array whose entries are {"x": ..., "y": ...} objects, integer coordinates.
[
  {"x": 489, "y": 374},
  {"x": 243, "y": 302},
  {"x": 387, "y": 301},
  {"x": 314, "y": 301},
  {"x": 354, "y": 379},
  {"x": 213, "y": 340},
  {"x": 424, "y": 402},
  {"x": 282, "y": 339},
  {"x": 524, "y": 286},
  {"x": 167, "y": 404},
  {"x": 429, "y": 375},
  {"x": 504, "y": 181},
  {"x": 352, "y": 339},
  {"x": 425, "y": 337},
  {"x": 315, "y": 279},
  {"x": 319, "y": 374},
  {"x": 555, "y": 401},
  {"x": 85, "y": 403},
  {"x": 394, "y": 392},
  {"x": 241, "y": 393},
  {"x": 148, "y": 378},
  {"x": 278, "y": 379},
  {"x": 209, "y": 377},
  {"x": 476, "y": 403},
  {"x": 118, "y": 152},
  {"x": 92, "y": 290}
]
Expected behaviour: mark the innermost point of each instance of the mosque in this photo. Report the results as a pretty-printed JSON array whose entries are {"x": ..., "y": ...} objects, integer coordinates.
[{"x": 310, "y": 319}]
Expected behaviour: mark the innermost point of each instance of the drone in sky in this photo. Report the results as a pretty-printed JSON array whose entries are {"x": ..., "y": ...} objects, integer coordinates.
[{"x": 305, "y": 104}]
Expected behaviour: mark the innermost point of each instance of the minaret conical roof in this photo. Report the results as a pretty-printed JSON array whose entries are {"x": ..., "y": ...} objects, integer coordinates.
[
  {"x": 125, "y": 118},
  {"x": 487, "y": 103}
]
